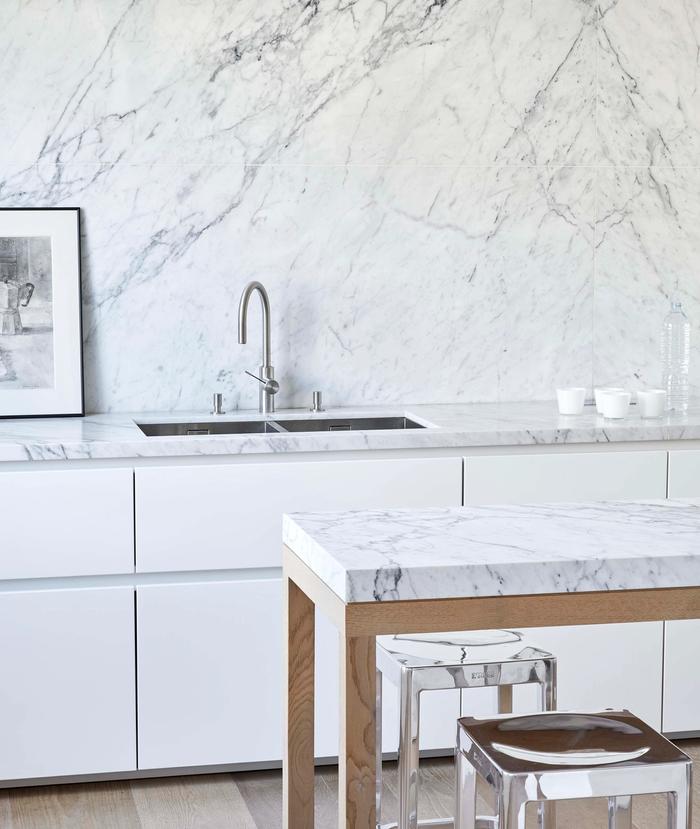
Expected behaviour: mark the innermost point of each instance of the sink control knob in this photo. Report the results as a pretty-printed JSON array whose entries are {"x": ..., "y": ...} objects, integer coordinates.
[
  {"x": 217, "y": 404},
  {"x": 317, "y": 405}
]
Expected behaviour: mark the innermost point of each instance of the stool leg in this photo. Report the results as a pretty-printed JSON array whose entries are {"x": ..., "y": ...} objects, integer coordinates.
[
  {"x": 511, "y": 812},
  {"x": 549, "y": 688},
  {"x": 547, "y": 812},
  {"x": 408, "y": 752},
  {"x": 619, "y": 813},
  {"x": 679, "y": 810},
  {"x": 378, "y": 745},
  {"x": 465, "y": 810}
]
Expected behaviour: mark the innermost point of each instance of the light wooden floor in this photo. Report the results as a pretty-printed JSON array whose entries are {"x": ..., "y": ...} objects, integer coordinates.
[{"x": 254, "y": 801}]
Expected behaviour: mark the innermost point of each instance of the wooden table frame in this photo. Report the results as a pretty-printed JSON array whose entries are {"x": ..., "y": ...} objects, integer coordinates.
[{"x": 360, "y": 623}]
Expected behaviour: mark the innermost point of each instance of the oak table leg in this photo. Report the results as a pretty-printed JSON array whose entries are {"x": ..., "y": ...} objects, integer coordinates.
[
  {"x": 298, "y": 768},
  {"x": 357, "y": 760},
  {"x": 505, "y": 699}
]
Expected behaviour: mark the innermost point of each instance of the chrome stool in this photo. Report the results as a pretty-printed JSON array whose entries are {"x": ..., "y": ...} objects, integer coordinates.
[
  {"x": 443, "y": 661},
  {"x": 567, "y": 756}
]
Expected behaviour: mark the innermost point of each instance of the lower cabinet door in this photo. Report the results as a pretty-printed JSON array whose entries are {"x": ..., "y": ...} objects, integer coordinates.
[
  {"x": 210, "y": 686},
  {"x": 682, "y": 677},
  {"x": 67, "y": 700},
  {"x": 606, "y": 666},
  {"x": 209, "y": 673}
]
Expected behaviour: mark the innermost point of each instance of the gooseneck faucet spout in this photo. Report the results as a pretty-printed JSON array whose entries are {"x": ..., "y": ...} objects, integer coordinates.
[
  {"x": 248, "y": 292},
  {"x": 266, "y": 374}
]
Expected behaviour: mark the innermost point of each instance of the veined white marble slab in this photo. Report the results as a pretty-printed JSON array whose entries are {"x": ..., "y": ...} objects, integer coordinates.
[
  {"x": 379, "y": 555},
  {"x": 452, "y": 426}
]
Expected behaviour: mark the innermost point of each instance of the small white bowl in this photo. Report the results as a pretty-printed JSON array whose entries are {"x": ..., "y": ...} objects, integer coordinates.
[
  {"x": 571, "y": 400},
  {"x": 615, "y": 404},
  {"x": 598, "y": 394},
  {"x": 651, "y": 403}
]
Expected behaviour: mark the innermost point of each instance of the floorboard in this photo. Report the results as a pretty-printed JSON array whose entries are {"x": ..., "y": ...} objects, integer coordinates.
[
  {"x": 212, "y": 801},
  {"x": 253, "y": 800},
  {"x": 103, "y": 805},
  {"x": 5, "y": 810}
]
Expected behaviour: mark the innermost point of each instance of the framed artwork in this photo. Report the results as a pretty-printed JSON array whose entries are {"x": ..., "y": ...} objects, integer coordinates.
[{"x": 41, "y": 361}]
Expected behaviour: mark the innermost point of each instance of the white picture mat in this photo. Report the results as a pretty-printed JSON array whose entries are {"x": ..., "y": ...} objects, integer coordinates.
[{"x": 66, "y": 397}]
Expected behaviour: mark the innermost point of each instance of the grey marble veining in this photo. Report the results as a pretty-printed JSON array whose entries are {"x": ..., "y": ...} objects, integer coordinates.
[
  {"x": 458, "y": 426},
  {"x": 449, "y": 201},
  {"x": 376, "y": 555}
]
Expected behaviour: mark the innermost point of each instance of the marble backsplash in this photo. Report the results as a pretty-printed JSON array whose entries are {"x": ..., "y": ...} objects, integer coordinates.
[{"x": 448, "y": 200}]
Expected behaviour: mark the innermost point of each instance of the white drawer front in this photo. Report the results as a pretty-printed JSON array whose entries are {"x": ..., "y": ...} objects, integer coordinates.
[
  {"x": 222, "y": 517},
  {"x": 66, "y": 523},
  {"x": 504, "y": 479}
]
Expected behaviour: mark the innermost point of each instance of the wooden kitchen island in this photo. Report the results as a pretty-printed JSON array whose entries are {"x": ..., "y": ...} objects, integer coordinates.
[{"x": 469, "y": 568}]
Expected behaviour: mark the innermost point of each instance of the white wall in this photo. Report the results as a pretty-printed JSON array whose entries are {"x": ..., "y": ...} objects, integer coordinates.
[{"x": 446, "y": 200}]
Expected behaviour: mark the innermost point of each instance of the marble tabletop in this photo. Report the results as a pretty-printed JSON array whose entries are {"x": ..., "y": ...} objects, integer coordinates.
[
  {"x": 117, "y": 435},
  {"x": 375, "y": 555}
]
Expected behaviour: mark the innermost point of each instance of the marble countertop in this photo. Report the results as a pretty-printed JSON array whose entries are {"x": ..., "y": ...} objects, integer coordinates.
[
  {"x": 460, "y": 425},
  {"x": 375, "y": 555}
]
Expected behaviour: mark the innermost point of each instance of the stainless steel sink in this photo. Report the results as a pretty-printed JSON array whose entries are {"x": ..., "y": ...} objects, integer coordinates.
[
  {"x": 347, "y": 424},
  {"x": 222, "y": 427},
  {"x": 281, "y": 426}
]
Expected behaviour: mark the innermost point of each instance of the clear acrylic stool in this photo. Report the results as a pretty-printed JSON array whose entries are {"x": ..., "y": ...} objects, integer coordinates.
[
  {"x": 565, "y": 756},
  {"x": 441, "y": 661}
]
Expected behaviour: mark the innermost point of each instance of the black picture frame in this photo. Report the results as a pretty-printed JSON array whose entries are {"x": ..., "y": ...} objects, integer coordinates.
[{"x": 44, "y": 244}]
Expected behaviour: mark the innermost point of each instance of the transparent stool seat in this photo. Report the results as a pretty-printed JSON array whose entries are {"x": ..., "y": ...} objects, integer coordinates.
[
  {"x": 566, "y": 755},
  {"x": 453, "y": 648}
]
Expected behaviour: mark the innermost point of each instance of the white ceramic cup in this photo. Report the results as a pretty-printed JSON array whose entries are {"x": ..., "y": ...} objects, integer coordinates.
[
  {"x": 598, "y": 394},
  {"x": 651, "y": 402},
  {"x": 571, "y": 400},
  {"x": 615, "y": 404}
]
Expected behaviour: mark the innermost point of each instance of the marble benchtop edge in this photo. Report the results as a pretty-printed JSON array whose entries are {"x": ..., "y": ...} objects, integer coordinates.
[{"x": 116, "y": 436}]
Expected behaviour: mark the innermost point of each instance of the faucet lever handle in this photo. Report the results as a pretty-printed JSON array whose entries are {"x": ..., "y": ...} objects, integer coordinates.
[{"x": 271, "y": 386}]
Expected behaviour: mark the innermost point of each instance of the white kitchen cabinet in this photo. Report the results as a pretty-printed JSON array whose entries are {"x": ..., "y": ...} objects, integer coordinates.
[
  {"x": 682, "y": 650},
  {"x": 209, "y": 673},
  {"x": 684, "y": 473},
  {"x": 682, "y": 677},
  {"x": 66, "y": 523},
  {"x": 230, "y": 516},
  {"x": 593, "y": 476},
  {"x": 605, "y": 665},
  {"x": 67, "y": 696}
]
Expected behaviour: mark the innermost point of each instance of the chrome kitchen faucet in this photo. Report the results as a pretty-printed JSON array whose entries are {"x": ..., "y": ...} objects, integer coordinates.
[{"x": 266, "y": 376}]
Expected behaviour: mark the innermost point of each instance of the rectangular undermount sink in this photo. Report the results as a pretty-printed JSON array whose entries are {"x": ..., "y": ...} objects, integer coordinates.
[
  {"x": 281, "y": 426},
  {"x": 346, "y": 424},
  {"x": 222, "y": 427}
]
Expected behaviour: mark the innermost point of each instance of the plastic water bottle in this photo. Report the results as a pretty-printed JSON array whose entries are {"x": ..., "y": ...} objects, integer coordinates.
[{"x": 675, "y": 359}]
